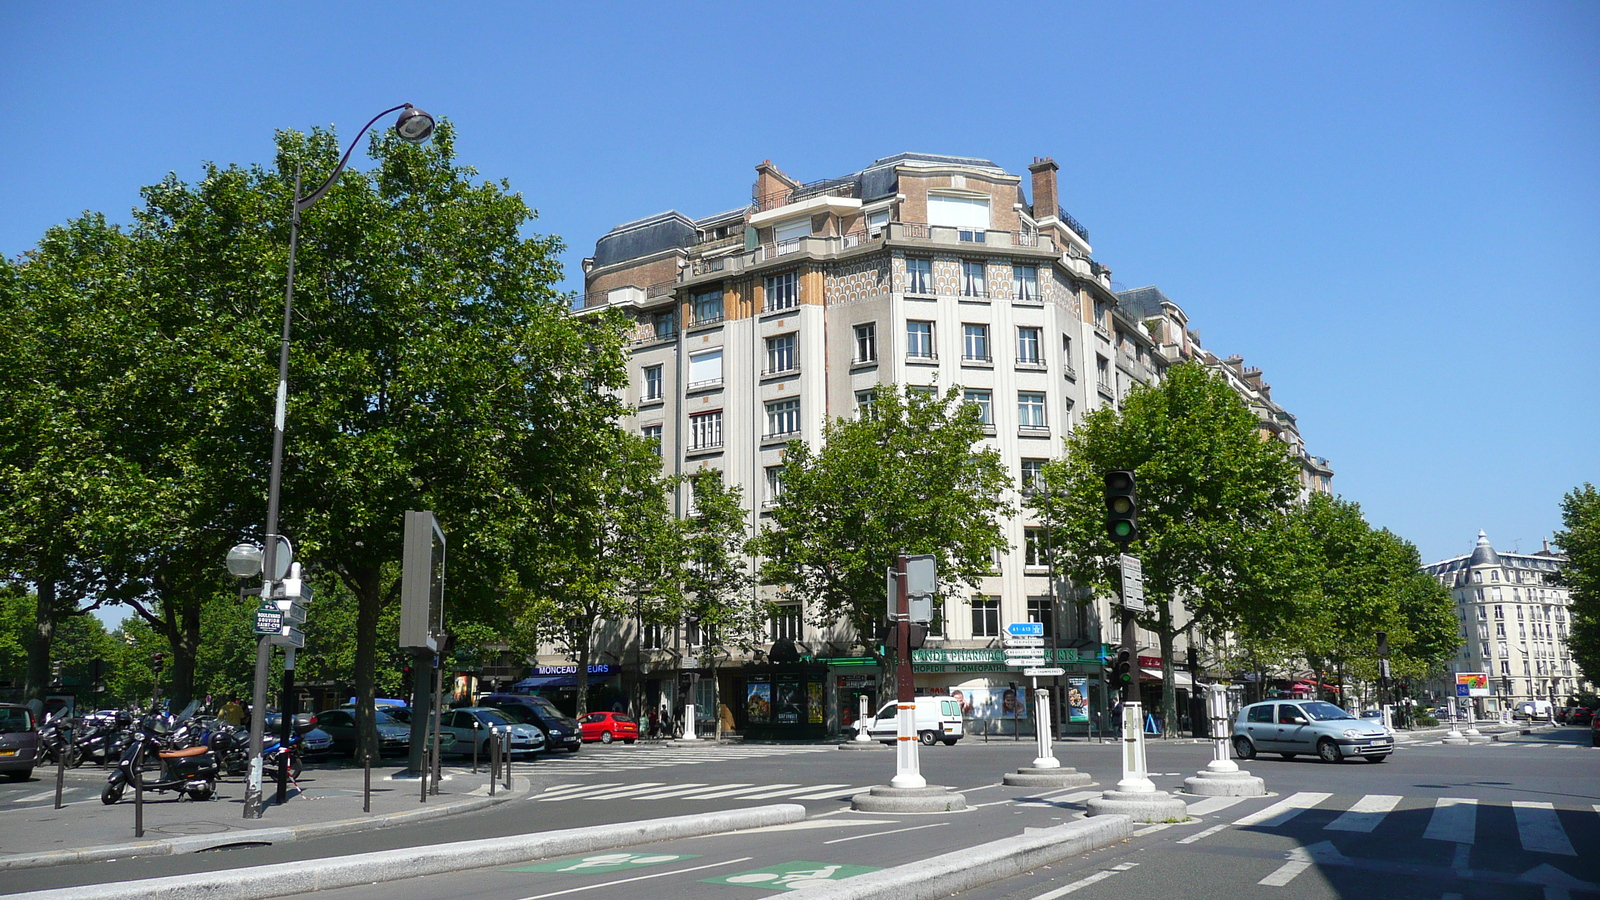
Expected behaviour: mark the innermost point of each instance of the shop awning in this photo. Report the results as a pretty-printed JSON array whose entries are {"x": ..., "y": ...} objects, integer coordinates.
[
  {"x": 1179, "y": 678},
  {"x": 556, "y": 682}
]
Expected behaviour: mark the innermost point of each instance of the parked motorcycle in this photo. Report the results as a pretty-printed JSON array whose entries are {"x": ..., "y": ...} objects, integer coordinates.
[
  {"x": 56, "y": 741},
  {"x": 190, "y": 770},
  {"x": 102, "y": 738}
]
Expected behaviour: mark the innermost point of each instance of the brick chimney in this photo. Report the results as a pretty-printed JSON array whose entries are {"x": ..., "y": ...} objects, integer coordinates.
[
  {"x": 1046, "y": 201},
  {"x": 771, "y": 186}
]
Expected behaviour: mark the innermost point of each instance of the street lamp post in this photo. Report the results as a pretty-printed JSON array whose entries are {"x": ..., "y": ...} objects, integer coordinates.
[{"x": 415, "y": 126}]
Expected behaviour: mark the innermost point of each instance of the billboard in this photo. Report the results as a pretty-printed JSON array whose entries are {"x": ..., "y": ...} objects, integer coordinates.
[
  {"x": 1472, "y": 684},
  {"x": 422, "y": 582}
]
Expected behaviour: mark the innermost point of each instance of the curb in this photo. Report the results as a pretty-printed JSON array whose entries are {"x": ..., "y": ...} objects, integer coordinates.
[
  {"x": 284, "y": 834},
  {"x": 282, "y": 879},
  {"x": 965, "y": 869}
]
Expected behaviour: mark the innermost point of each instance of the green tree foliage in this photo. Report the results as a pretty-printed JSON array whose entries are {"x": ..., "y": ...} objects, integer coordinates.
[
  {"x": 1580, "y": 541},
  {"x": 908, "y": 477},
  {"x": 1212, "y": 494},
  {"x": 717, "y": 582}
]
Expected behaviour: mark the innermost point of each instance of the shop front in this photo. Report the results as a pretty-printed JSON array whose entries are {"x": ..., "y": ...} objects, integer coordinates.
[
  {"x": 995, "y": 698},
  {"x": 559, "y": 685},
  {"x": 781, "y": 701}
]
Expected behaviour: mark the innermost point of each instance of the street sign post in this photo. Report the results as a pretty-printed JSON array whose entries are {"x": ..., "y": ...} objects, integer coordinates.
[
  {"x": 1132, "y": 583},
  {"x": 1025, "y": 629},
  {"x": 1044, "y": 671},
  {"x": 269, "y": 619},
  {"x": 1023, "y": 642}
]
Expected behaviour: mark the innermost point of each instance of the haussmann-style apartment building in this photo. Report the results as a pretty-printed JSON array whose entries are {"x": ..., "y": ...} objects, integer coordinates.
[{"x": 758, "y": 325}]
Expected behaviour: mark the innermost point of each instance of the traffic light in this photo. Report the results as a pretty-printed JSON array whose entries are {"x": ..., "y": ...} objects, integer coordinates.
[
  {"x": 1122, "y": 507},
  {"x": 157, "y": 661},
  {"x": 1122, "y": 668}
]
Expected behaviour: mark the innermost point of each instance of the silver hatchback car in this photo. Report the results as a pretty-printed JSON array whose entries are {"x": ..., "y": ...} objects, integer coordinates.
[{"x": 1294, "y": 727}]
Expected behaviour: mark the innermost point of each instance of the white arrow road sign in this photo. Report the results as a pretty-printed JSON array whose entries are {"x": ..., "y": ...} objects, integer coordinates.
[
  {"x": 1044, "y": 672},
  {"x": 1024, "y": 642}
]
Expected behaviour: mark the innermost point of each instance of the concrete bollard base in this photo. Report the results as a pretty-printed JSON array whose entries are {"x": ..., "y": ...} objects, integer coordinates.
[
  {"x": 1225, "y": 784},
  {"x": 888, "y": 799},
  {"x": 1063, "y": 776},
  {"x": 1144, "y": 806}
]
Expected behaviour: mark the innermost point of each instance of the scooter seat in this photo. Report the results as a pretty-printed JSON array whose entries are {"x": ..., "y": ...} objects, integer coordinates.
[{"x": 184, "y": 753}]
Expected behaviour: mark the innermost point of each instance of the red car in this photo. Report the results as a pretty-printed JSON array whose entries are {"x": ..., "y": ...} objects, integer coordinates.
[{"x": 606, "y": 727}]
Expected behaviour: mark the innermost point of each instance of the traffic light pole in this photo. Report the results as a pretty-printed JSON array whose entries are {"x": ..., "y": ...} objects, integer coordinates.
[{"x": 907, "y": 771}]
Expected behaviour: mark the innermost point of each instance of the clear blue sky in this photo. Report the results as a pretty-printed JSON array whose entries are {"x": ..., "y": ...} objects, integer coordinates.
[{"x": 1393, "y": 209}]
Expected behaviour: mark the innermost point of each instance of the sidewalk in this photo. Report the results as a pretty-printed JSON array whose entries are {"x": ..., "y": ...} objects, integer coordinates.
[{"x": 329, "y": 800}]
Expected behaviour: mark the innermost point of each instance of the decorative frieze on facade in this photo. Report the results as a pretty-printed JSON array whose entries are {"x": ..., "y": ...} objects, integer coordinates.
[{"x": 858, "y": 281}]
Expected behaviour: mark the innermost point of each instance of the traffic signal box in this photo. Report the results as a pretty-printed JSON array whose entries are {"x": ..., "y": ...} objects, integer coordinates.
[
  {"x": 1122, "y": 668},
  {"x": 1122, "y": 507}
]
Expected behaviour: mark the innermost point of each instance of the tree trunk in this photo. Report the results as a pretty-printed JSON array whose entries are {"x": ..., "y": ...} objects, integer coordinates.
[
  {"x": 37, "y": 683},
  {"x": 185, "y": 648},
  {"x": 583, "y": 671},
  {"x": 716, "y": 700},
  {"x": 1169, "y": 692}
]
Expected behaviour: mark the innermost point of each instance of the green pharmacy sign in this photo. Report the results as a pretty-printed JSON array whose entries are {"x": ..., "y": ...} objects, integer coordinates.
[
  {"x": 791, "y": 876},
  {"x": 607, "y": 862}
]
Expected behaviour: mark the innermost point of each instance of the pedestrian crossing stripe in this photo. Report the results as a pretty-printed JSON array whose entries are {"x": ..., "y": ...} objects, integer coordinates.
[{"x": 655, "y": 790}]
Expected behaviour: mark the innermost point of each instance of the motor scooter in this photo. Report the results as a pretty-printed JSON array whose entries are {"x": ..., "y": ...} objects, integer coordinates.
[{"x": 191, "y": 770}]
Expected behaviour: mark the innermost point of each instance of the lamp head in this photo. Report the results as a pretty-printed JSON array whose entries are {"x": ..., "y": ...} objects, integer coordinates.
[{"x": 414, "y": 125}]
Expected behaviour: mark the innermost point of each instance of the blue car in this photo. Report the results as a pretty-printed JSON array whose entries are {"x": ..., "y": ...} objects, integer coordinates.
[{"x": 1295, "y": 727}]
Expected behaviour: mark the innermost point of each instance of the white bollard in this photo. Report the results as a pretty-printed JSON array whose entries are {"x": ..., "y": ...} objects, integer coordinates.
[
  {"x": 862, "y": 737},
  {"x": 1221, "y": 734},
  {"x": 907, "y": 773},
  {"x": 1135, "y": 771},
  {"x": 1041, "y": 704},
  {"x": 688, "y": 723}
]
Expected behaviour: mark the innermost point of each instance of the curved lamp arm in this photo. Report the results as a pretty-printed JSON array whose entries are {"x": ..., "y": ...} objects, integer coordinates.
[{"x": 303, "y": 203}]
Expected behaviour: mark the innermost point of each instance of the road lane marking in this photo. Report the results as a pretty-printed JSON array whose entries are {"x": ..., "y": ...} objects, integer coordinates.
[
  {"x": 732, "y": 789},
  {"x": 1212, "y": 804},
  {"x": 1365, "y": 814},
  {"x": 1282, "y": 811},
  {"x": 682, "y": 787},
  {"x": 1540, "y": 829},
  {"x": 1204, "y": 834},
  {"x": 590, "y": 887},
  {"x": 1454, "y": 819},
  {"x": 562, "y": 790},
  {"x": 1152, "y": 829},
  {"x": 857, "y": 837},
  {"x": 614, "y": 793},
  {"x": 828, "y": 795},
  {"x": 1299, "y": 861},
  {"x": 1082, "y": 883},
  {"x": 792, "y": 790}
]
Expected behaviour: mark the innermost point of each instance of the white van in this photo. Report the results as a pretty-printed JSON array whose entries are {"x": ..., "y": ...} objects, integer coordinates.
[{"x": 938, "y": 719}]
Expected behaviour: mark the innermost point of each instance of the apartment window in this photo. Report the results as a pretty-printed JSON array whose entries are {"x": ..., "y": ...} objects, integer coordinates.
[
  {"x": 1477, "y": 577},
  {"x": 919, "y": 276},
  {"x": 1505, "y": 667},
  {"x": 972, "y": 284},
  {"x": 705, "y": 369},
  {"x": 705, "y": 430},
  {"x": 1496, "y": 591},
  {"x": 1499, "y": 629},
  {"x": 1499, "y": 612},
  {"x": 652, "y": 636},
  {"x": 866, "y": 342},
  {"x": 984, "y": 401},
  {"x": 785, "y": 622},
  {"x": 783, "y": 417},
  {"x": 985, "y": 617},
  {"x": 665, "y": 324},
  {"x": 1041, "y": 610},
  {"x": 975, "y": 342},
  {"x": 958, "y": 211},
  {"x": 652, "y": 383},
  {"x": 706, "y": 307},
  {"x": 774, "y": 484},
  {"x": 1485, "y": 648},
  {"x": 936, "y": 624},
  {"x": 1030, "y": 409},
  {"x": 781, "y": 354},
  {"x": 1102, "y": 372},
  {"x": 1035, "y": 546},
  {"x": 864, "y": 402},
  {"x": 1028, "y": 346},
  {"x": 1025, "y": 283},
  {"x": 652, "y": 433},
  {"x": 1032, "y": 475},
  {"x": 783, "y": 291},
  {"x": 1100, "y": 310},
  {"x": 1494, "y": 575},
  {"x": 919, "y": 340},
  {"x": 1519, "y": 608}
]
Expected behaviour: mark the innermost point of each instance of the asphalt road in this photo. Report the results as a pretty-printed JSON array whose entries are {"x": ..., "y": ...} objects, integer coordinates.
[{"x": 1360, "y": 829}]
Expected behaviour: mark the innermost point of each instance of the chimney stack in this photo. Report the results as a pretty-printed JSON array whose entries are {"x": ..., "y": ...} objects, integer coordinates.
[{"x": 1046, "y": 201}]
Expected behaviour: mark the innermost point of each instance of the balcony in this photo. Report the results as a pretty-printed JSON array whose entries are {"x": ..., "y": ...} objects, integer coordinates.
[
  {"x": 1074, "y": 224},
  {"x": 958, "y": 237},
  {"x": 781, "y": 370},
  {"x": 926, "y": 358},
  {"x": 831, "y": 187}
]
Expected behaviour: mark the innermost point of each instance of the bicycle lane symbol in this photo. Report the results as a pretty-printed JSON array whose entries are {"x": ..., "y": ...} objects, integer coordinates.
[
  {"x": 792, "y": 876},
  {"x": 606, "y": 862}
]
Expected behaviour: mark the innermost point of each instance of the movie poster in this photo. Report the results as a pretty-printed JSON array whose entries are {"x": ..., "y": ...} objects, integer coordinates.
[
  {"x": 814, "y": 702},
  {"x": 1077, "y": 699},
  {"x": 786, "y": 702},
  {"x": 758, "y": 708}
]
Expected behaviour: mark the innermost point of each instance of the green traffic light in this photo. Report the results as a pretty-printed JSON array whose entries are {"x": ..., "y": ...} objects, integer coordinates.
[{"x": 1122, "y": 529}]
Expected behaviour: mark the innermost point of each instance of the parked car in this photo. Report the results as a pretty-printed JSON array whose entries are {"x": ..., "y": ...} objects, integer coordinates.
[
  {"x": 1580, "y": 715},
  {"x": 19, "y": 741},
  {"x": 1291, "y": 728},
  {"x": 606, "y": 727},
  {"x": 340, "y": 724},
  {"x": 475, "y": 724},
  {"x": 937, "y": 719},
  {"x": 314, "y": 742},
  {"x": 560, "y": 730},
  {"x": 1594, "y": 731}
]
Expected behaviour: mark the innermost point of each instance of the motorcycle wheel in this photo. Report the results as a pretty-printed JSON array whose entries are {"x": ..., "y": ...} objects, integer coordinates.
[
  {"x": 74, "y": 757},
  {"x": 111, "y": 793},
  {"x": 201, "y": 790},
  {"x": 295, "y": 768}
]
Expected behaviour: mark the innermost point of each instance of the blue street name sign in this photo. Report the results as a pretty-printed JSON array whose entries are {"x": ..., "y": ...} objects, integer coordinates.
[{"x": 1025, "y": 628}]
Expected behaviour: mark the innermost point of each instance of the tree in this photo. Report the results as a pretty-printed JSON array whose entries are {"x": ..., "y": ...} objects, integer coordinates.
[
  {"x": 603, "y": 537},
  {"x": 908, "y": 477},
  {"x": 1580, "y": 574},
  {"x": 716, "y": 579},
  {"x": 1211, "y": 493}
]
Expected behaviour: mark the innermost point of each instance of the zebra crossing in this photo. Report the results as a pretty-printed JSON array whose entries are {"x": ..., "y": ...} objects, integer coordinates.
[
  {"x": 602, "y": 762},
  {"x": 1523, "y": 745},
  {"x": 1539, "y": 826},
  {"x": 658, "y": 790}
]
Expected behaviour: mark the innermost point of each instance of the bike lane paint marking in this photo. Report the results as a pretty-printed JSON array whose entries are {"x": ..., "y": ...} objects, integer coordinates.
[
  {"x": 590, "y": 887},
  {"x": 791, "y": 876},
  {"x": 606, "y": 862}
]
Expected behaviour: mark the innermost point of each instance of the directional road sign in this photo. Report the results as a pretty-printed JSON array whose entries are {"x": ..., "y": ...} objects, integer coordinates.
[
  {"x": 1025, "y": 628},
  {"x": 1045, "y": 672},
  {"x": 1024, "y": 642},
  {"x": 290, "y": 636},
  {"x": 269, "y": 619},
  {"x": 1025, "y": 663}
]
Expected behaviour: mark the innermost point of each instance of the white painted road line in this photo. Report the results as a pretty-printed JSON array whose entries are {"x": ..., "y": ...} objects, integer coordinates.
[
  {"x": 1212, "y": 805},
  {"x": 857, "y": 837},
  {"x": 590, "y": 887},
  {"x": 683, "y": 787},
  {"x": 1366, "y": 814},
  {"x": 1082, "y": 883},
  {"x": 1299, "y": 861},
  {"x": 616, "y": 793},
  {"x": 829, "y": 795},
  {"x": 1539, "y": 829},
  {"x": 793, "y": 789},
  {"x": 1454, "y": 819},
  {"x": 732, "y": 790},
  {"x": 559, "y": 791},
  {"x": 1204, "y": 834},
  {"x": 1284, "y": 810}
]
